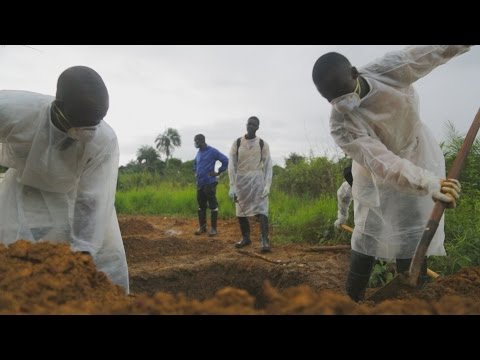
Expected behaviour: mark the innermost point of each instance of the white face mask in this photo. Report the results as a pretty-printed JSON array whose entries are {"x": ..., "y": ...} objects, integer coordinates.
[
  {"x": 346, "y": 103},
  {"x": 82, "y": 134}
]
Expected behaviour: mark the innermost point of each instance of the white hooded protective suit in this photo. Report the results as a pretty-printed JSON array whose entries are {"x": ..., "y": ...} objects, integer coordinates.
[
  {"x": 56, "y": 188},
  {"x": 249, "y": 173},
  {"x": 397, "y": 162},
  {"x": 344, "y": 198}
]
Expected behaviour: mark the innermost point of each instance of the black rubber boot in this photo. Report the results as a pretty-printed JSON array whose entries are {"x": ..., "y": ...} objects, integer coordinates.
[
  {"x": 202, "y": 221},
  {"x": 245, "y": 229},
  {"x": 265, "y": 242},
  {"x": 214, "y": 217},
  {"x": 403, "y": 265},
  {"x": 359, "y": 272}
]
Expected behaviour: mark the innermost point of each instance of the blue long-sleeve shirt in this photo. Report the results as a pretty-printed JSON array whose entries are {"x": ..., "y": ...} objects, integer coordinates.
[{"x": 205, "y": 162}]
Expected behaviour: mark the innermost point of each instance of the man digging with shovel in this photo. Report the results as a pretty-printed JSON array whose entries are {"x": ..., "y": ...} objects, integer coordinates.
[{"x": 398, "y": 166}]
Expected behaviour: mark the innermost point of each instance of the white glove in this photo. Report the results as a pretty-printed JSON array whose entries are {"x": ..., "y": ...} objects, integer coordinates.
[
  {"x": 266, "y": 191},
  {"x": 340, "y": 221},
  {"x": 232, "y": 192},
  {"x": 447, "y": 191}
]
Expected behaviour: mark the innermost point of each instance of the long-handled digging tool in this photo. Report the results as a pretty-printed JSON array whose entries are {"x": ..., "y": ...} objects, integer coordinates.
[
  {"x": 430, "y": 273},
  {"x": 410, "y": 279}
]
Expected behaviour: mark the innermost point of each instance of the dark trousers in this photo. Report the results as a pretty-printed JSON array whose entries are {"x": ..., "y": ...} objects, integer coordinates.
[
  {"x": 207, "y": 194},
  {"x": 360, "y": 270}
]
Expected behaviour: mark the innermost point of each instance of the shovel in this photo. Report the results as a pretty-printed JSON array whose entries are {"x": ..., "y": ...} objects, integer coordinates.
[
  {"x": 409, "y": 280},
  {"x": 430, "y": 273}
]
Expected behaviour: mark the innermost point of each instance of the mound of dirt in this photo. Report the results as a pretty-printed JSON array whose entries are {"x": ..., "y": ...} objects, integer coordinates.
[
  {"x": 133, "y": 226},
  {"x": 228, "y": 301},
  {"x": 465, "y": 283},
  {"x": 48, "y": 278},
  {"x": 453, "y": 295},
  {"x": 300, "y": 300}
]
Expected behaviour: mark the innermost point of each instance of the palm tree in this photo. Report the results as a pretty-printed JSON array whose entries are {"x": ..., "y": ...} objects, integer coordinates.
[
  {"x": 167, "y": 142},
  {"x": 147, "y": 154},
  {"x": 148, "y": 157}
]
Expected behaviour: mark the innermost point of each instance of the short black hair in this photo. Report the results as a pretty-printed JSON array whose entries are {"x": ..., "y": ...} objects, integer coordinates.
[
  {"x": 200, "y": 137},
  {"x": 347, "y": 174},
  {"x": 326, "y": 63},
  {"x": 254, "y": 118},
  {"x": 83, "y": 87}
]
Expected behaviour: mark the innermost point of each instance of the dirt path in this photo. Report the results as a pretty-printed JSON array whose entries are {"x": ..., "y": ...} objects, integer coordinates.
[{"x": 163, "y": 254}]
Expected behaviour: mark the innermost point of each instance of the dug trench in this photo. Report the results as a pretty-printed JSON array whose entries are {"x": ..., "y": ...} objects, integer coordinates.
[{"x": 164, "y": 255}]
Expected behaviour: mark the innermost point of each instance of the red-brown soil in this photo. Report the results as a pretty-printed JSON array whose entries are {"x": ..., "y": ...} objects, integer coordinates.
[{"x": 173, "y": 271}]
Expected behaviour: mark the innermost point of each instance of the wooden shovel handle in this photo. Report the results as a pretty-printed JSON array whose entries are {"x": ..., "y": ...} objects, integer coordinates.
[{"x": 440, "y": 206}]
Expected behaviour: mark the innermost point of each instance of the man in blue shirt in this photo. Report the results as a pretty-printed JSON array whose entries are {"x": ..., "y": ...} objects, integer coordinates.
[{"x": 206, "y": 177}]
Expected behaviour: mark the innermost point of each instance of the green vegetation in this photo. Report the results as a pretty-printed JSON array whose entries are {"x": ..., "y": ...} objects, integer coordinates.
[
  {"x": 462, "y": 225},
  {"x": 292, "y": 218},
  {"x": 303, "y": 201}
]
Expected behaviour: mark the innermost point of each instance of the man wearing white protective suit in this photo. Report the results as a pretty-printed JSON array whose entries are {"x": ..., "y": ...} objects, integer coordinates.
[
  {"x": 398, "y": 166},
  {"x": 250, "y": 173},
  {"x": 63, "y": 166}
]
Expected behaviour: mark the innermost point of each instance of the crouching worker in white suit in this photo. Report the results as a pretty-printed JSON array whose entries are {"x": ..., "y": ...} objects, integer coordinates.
[{"x": 63, "y": 167}]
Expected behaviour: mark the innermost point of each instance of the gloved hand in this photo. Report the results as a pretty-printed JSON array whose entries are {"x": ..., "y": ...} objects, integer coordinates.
[
  {"x": 266, "y": 191},
  {"x": 340, "y": 221},
  {"x": 232, "y": 192},
  {"x": 448, "y": 192}
]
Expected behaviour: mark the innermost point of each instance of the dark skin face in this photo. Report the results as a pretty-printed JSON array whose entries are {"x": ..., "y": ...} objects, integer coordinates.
[
  {"x": 252, "y": 127},
  {"x": 77, "y": 116},
  {"x": 200, "y": 142},
  {"x": 338, "y": 82}
]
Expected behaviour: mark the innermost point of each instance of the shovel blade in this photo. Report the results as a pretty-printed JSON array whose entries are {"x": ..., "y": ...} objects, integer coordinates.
[{"x": 399, "y": 284}]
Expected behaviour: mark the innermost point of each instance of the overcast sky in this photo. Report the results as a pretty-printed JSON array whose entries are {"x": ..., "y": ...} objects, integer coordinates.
[{"x": 214, "y": 90}]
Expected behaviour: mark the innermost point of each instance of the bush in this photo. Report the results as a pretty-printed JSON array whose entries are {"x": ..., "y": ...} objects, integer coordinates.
[{"x": 314, "y": 176}]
